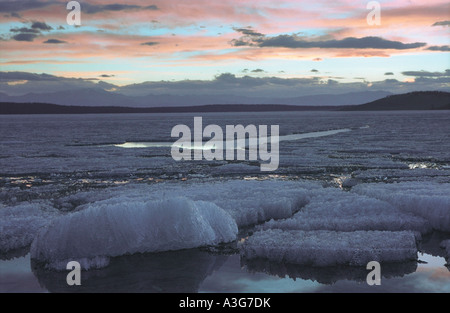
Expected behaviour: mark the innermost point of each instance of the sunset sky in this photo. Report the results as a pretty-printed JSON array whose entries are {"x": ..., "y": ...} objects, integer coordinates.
[{"x": 161, "y": 46}]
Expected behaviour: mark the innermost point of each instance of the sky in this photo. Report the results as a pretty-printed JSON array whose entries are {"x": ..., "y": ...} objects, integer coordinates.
[{"x": 252, "y": 48}]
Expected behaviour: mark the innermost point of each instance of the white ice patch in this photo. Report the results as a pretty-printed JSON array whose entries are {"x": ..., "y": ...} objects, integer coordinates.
[
  {"x": 122, "y": 226},
  {"x": 19, "y": 224},
  {"x": 428, "y": 200},
  {"x": 333, "y": 209},
  {"x": 328, "y": 248}
]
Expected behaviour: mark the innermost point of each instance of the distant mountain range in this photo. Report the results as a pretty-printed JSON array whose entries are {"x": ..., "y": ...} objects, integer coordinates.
[
  {"x": 411, "y": 101},
  {"x": 100, "y": 97},
  {"x": 431, "y": 100}
]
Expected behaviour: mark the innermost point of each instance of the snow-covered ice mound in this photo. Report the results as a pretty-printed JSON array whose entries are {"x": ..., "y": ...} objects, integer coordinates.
[
  {"x": 113, "y": 228},
  {"x": 333, "y": 209},
  {"x": 19, "y": 224},
  {"x": 329, "y": 248},
  {"x": 248, "y": 202},
  {"x": 428, "y": 200}
]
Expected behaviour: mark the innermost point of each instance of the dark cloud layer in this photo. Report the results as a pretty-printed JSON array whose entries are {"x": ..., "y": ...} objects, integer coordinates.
[
  {"x": 263, "y": 89},
  {"x": 293, "y": 41},
  {"x": 92, "y": 9},
  {"x": 55, "y": 41},
  {"x": 248, "y": 32},
  {"x": 14, "y": 76},
  {"x": 24, "y": 37},
  {"x": 442, "y": 23},
  {"x": 24, "y": 30},
  {"x": 41, "y": 26},
  {"x": 253, "y": 38},
  {"x": 29, "y": 33},
  {"x": 427, "y": 74},
  {"x": 150, "y": 43},
  {"x": 14, "y": 6},
  {"x": 439, "y": 48}
]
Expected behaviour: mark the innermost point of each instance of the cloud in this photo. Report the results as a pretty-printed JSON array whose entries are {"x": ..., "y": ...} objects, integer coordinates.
[
  {"x": 14, "y": 6},
  {"x": 55, "y": 41},
  {"x": 241, "y": 42},
  {"x": 150, "y": 43},
  {"x": 93, "y": 8},
  {"x": 317, "y": 59},
  {"x": 24, "y": 30},
  {"x": 427, "y": 74},
  {"x": 258, "y": 70},
  {"x": 14, "y": 76},
  {"x": 295, "y": 42},
  {"x": 249, "y": 39},
  {"x": 439, "y": 48},
  {"x": 107, "y": 76},
  {"x": 29, "y": 34},
  {"x": 442, "y": 23},
  {"x": 248, "y": 32},
  {"x": 388, "y": 74},
  {"x": 41, "y": 26},
  {"x": 314, "y": 71},
  {"x": 259, "y": 88},
  {"x": 41, "y": 83},
  {"x": 25, "y": 37}
]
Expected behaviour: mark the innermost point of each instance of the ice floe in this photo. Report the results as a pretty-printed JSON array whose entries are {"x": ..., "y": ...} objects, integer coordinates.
[
  {"x": 428, "y": 200},
  {"x": 329, "y": 248},
  {"x": 332, "y": 209},
  {"x": 108, "y": 229}
]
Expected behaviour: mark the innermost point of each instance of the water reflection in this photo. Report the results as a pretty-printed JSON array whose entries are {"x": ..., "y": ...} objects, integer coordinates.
[
  {"x": 430, "y": 243},
  {"x": 325, "y": 275},
  {"x": 169, "y": 272}
]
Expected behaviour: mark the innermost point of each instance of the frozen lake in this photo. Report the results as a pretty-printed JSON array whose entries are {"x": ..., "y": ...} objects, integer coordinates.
[{"x": 104, "y": 190}]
